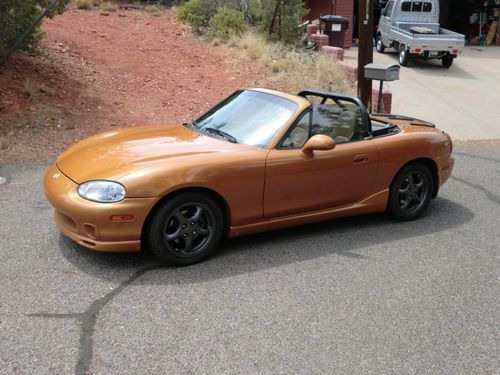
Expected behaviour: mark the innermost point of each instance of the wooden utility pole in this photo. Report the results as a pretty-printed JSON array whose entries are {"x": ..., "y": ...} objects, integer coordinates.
[{"x": 365, "y": 49}]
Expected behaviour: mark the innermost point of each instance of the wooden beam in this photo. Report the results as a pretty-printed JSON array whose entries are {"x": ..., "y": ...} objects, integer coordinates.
[{"x": 365, "y": 49}]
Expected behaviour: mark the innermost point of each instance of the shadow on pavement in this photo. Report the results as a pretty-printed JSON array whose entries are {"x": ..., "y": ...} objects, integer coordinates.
[
  {"x": 433, "y": 68},
  {"x": 343, "y": 237}
]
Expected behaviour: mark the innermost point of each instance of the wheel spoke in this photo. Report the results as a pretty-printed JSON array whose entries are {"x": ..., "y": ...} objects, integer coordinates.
[
  {"x": 411, "y": 180},
  {"x": 404, "y": 191},
  {"x": 202, "y": 232},
  {"x": 404, "y": 206},
  {"x": 188, "y": 244},
  {"x": 173, "y": 236},
  {"x": 180, "y": 217},
  {"x": 198, "y": 214}
]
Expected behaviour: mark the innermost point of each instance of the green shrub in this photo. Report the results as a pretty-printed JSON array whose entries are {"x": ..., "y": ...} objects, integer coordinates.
[
  {"x": 226, "y": 23},
  {"x": 197, "y": 13},
  {"x": 17, "y": 16}
]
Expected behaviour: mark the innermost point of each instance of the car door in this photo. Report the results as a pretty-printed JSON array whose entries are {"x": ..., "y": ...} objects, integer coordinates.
[
  {"x": 385, "y": 23},
  {"x": 296, "y": 182}
]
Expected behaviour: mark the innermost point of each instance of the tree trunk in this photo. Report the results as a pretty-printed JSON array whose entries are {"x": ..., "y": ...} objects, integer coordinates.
[
  {"x": 273, "y": 20},
  {"x": 245, "y": 8}
]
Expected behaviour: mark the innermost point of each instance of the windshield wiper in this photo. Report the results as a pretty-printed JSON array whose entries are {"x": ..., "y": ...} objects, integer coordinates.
[{"x": 222, "y": 134}]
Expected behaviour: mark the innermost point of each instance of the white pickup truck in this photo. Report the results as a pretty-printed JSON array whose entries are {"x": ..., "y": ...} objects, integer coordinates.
[{"x": 412, "y": 28}]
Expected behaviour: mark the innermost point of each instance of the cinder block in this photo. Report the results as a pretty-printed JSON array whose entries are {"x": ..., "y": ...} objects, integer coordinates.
[
  {"x": 350, "y": 70},
  {"x": 322, "y": 40},
  {"x": 336, "y": 53},
  {"x": 311, "y": 29}
]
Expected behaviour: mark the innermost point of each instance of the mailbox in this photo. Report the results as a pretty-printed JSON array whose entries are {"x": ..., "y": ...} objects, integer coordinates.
[{"x": 382, "y": 72}]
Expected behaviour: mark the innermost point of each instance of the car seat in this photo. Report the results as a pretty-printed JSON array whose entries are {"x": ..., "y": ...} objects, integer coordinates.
[{"x": 346, "y": 125}]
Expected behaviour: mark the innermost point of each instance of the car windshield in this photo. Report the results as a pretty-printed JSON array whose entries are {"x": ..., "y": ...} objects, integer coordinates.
[{"x": 249, "y": 117}]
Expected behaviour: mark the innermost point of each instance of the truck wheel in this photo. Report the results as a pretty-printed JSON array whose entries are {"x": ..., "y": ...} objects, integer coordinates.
[
  {"x": 379, "y": 45},
  {"x": 447, "y": 60},
  {"x": 404, "y": 56}
]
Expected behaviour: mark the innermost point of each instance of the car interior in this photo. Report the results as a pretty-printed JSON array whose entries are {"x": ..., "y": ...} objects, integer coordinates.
[{"x": 342, "y": 122}]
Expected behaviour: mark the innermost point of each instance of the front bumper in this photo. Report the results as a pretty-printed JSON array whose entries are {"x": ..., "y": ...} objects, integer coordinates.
[
  {"x": 89, "y": 223},
  {"x": 445, "y": 166}
]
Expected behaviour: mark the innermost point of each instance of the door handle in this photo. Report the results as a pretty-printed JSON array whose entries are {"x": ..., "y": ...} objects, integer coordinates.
[{"x": 361, "y": 158}]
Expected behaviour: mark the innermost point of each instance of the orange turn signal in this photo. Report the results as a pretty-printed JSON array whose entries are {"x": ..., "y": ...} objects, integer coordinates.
[{"x": 121, "y": 217}]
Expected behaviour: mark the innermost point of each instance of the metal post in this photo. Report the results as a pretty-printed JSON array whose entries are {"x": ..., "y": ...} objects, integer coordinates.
[
  {"x": 365, "y": 50},
  {"x": 379, "y": 103}
]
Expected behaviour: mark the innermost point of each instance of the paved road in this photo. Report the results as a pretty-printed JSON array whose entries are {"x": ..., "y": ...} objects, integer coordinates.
[
  {"x": 463, "y": 100},
  {"x": 360, "y": 295}
]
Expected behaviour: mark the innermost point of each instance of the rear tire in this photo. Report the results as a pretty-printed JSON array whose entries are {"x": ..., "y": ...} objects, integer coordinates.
[
  {"x": 379, "y": 45},
  {"x": 185, "y": 229},
  {"x": 404, "y": 56},
  {"x": 410, "y": 192},
  {"x": 447, "y": 60}
]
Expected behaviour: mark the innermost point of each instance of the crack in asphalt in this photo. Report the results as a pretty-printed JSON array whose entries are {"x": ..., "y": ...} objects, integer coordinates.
[
  {"x": 492, "y": 197},
  {"x": 88, "y": 318}
]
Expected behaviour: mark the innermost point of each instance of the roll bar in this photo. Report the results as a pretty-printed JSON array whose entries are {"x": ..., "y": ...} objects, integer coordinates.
[{"x": 336, "y": 97}]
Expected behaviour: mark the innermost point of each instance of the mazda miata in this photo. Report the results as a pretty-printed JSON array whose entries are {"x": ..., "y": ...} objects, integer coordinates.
[{"x": 257, "y": 161}]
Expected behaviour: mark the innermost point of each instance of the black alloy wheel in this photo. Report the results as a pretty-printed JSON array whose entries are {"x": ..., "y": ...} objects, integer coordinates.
[
  {"x": 185, "y": 229},
  {"x": 410, "y": 192}
]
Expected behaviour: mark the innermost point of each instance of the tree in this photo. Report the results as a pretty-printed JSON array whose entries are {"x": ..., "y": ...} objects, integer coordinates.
[
  {"x": 17, "y": 16},
  {"x": 283, "y": 17}
]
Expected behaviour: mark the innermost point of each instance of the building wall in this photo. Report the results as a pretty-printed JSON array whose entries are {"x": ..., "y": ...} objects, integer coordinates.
[
  {"x": 343, "y": 8},
  {"x": 319, "y": 7}
]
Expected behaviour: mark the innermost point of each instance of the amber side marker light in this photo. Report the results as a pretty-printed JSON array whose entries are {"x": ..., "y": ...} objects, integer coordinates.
[{"x": 121, "y": 217}]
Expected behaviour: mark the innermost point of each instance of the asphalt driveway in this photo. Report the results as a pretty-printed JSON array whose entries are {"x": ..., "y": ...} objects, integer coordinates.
[
  {"x": 359, "y": 295},
  {"x": 463, "y": 100}
]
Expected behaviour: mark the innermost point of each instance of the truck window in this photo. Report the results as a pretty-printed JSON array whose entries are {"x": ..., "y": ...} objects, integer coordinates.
[
  {"x": 416, "y": 7},
  {"x": 406, "y": 6},
  {"x": 427, "y": 7},
  {"x": 388, "y": 9}
]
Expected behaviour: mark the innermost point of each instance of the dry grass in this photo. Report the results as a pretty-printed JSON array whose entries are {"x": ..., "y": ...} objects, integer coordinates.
[
  {"x": 108, "y": 7},
  {"x": 5, "y": 142},
  {"x": 154, "y": 9},
  {"x": 294, "y": 69},
  {"x": 33, "y": 89},
  {"x": 84, "y": 4}
]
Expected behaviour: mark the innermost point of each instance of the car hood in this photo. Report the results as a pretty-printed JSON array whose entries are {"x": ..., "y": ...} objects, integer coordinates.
[{"x": 112, "y": 155}]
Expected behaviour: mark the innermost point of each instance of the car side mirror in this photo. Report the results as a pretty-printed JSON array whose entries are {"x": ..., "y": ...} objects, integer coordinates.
[{"x": 318, "y": 142}]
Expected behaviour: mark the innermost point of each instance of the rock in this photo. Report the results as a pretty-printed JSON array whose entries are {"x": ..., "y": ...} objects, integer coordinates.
[{"x": 3, "y": 180}]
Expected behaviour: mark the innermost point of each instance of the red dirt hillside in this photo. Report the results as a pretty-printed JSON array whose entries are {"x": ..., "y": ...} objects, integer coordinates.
[{"x": 95, "y": 73}]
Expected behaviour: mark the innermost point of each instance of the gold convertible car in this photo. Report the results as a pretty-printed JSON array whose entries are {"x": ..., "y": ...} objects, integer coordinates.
[{"x": 257, "y": 161}]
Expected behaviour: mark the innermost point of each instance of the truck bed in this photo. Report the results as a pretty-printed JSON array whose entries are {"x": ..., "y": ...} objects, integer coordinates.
[{"x": 444, "y": 39}]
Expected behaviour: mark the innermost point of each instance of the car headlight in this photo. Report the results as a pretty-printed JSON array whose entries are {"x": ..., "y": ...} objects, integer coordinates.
[{"x": 101, "y": 191}]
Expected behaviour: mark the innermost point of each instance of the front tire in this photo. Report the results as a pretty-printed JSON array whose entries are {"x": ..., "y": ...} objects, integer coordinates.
[
  {"x": 410, "y": 192},
  {"x": 404, "y": 56},
  {"x": 185, "y": 229}
]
